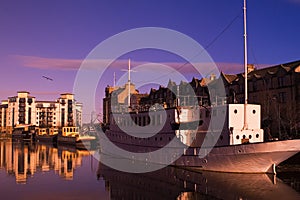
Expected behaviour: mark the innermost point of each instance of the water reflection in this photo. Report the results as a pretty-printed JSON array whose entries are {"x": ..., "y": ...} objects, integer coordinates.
[
  {"x": 45, "y": 168},
  {"x": 23, "y": 160},
  {"x": 175, "y": 183}
]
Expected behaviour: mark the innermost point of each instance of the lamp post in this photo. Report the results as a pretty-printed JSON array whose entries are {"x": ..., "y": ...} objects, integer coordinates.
[{"x": 278, "y": 113}]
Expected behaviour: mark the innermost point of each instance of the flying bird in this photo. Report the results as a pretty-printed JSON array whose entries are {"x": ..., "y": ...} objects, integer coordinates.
[{"x": 48, "y": 78}]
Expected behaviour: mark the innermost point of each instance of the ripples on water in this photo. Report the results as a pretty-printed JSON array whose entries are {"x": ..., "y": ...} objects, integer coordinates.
[{"x": 40, "y": 171}]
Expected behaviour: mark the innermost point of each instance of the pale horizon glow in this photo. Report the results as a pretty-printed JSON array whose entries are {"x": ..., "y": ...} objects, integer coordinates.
[{"x": 52, "y": 38}]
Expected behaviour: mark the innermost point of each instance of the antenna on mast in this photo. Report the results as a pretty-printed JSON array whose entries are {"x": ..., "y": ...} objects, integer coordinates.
[
  {"x": 129, "y": 82},
  {"x": 114, "y": 79},
  {"x": 245, "y": 67}
]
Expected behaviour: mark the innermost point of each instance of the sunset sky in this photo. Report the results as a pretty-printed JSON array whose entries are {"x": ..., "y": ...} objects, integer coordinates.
[{"x": 51, "y": 38}]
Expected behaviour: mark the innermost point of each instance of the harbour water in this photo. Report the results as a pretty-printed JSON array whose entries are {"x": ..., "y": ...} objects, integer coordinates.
[{"x": 40, "y": 171}]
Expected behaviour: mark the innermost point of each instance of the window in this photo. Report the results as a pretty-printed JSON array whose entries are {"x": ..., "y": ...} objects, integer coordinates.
[
  {"x": 144, "y": 121},
  {"x": 254, "y": 86},
  {"x": 250, "y": 86},
  {"x": 159, "y": 119},
  {"x": 207, "y": 113},
  {"x": 274, "y": 82},
  {"x": 283, "y": 97},
  {"x": 214, "y": 112},
  {"x": 280, "y": 81}
]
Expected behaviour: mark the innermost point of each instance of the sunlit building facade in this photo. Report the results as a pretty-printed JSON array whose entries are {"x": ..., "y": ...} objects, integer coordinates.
[
  {"x": 25, "y": 110},
  {"x": 275, "y": 88}
]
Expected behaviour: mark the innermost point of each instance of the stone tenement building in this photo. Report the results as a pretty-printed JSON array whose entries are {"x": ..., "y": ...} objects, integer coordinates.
[
  {"x": 25, "y": 110},
  {"x": 275, "y": 88}
]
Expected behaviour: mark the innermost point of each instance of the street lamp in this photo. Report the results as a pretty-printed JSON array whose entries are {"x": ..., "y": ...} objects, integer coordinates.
[{"x": 278, "y": 112}]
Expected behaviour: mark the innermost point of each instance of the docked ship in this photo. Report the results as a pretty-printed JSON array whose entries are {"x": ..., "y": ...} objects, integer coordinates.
[
  {"x": 23, "y": 132},
  {"x": 47, "y": 135},
  {"x": 72, "y": 136},
  {"x": 220, "y": 137}
]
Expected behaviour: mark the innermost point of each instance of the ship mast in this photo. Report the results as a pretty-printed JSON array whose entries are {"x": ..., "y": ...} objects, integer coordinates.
[
  {"x": 129, "y": 83},
  {"x": 114, "y": 79},
  {"x": 245, "y": 68}
]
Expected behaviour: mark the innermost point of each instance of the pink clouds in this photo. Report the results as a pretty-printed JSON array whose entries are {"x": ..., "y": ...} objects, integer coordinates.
[
  {"x": 74, "y": 64},
  {"x": 48, "y": 63}
]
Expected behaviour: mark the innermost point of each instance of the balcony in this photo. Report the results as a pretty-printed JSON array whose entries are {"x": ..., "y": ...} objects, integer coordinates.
[
  {"x": 52, "y": 105},
  {"x": 22, "y": 105},
  {"x": 39, "y": 105},
  {"x": 22, "y": 100},
  {"x": 29, "y": 101}
]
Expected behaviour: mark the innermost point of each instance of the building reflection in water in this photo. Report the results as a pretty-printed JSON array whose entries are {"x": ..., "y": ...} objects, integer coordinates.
[
  {"x": 23, "y": 160},
  {"x": 176, "y": 183}
]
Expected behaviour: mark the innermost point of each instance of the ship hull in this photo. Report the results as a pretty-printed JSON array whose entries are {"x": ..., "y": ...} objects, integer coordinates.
[
  {"x": 46, "y": 138},
  {"x": 212, "y": 144},
  {"x": 79, "y": 143},
  {"x": 245, "y": 158}
]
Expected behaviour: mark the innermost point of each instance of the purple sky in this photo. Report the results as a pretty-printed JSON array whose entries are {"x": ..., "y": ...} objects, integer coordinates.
[{"x": 51, "y": 38}]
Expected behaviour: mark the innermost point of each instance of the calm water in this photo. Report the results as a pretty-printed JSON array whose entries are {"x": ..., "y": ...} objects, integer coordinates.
[{"x": 36, "y": 171}]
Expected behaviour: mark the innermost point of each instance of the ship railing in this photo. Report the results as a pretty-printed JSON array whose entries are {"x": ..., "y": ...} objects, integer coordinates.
[{"x": 219, "y": 101}]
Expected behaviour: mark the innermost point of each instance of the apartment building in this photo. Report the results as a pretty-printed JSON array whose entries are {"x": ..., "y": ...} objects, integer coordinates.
[{"x": 25, "y": 110}]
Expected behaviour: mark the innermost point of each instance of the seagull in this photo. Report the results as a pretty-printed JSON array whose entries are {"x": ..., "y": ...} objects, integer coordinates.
[{"x": 48, "y": 78}]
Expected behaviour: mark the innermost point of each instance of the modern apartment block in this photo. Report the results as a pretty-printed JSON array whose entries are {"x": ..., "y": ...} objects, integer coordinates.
[{"x": 25, "y": 110}]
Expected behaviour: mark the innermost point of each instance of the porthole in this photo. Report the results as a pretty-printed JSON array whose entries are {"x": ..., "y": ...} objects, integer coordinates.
[
  {"x": 244, "y": 136},
  {"x": 257, "y": 135},
  {"x": 235, "y": 111},
  {"x": 250, "y": 136},
  {"x": 237, "y": 137},
  {"x": 253, "y": 111},
  {"x": 200, "y": 122}
]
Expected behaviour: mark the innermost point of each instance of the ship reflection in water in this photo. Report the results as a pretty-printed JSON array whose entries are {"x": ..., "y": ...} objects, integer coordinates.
[
  {"x": 37, "y": 171},
  {"x": 180, "y": 184}
]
